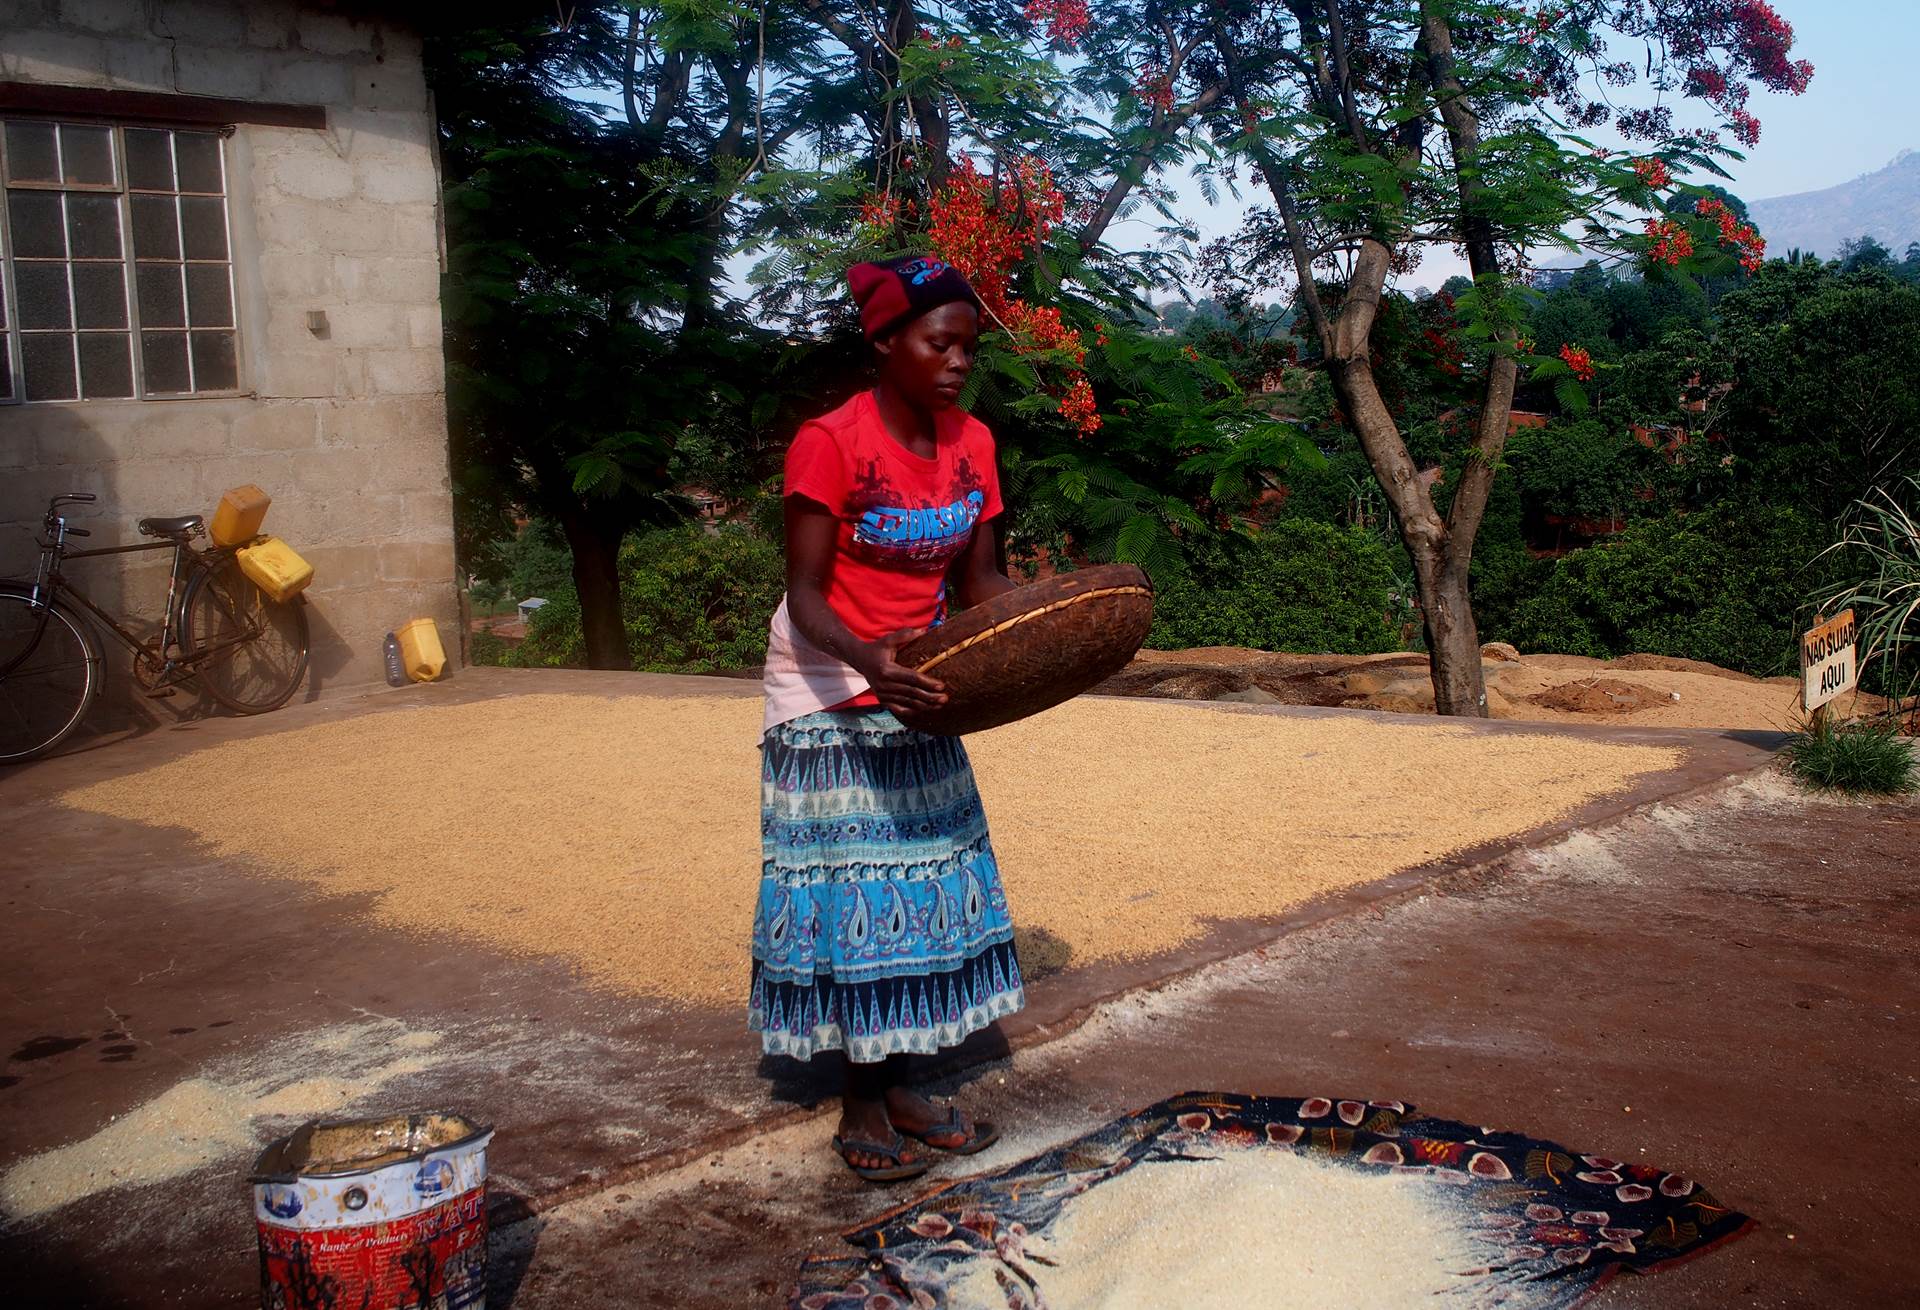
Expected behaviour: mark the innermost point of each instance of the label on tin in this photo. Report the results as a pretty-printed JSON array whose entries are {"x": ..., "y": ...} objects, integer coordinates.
[{"x": 435, "y": 1258}]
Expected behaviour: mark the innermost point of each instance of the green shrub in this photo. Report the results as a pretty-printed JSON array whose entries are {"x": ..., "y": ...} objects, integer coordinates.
[
  {"x": 1584, "y": 469},
  {"x": 1872, "y": 759},
  {"x": 1723, "y": 585},
  {"x": 694, "y": 601},
  {"x": 555, "y": 639},
  {"x": 1298, "y": 586},
  {"x": 699, "y": 601},
  {"x": 485, "y": 648}
]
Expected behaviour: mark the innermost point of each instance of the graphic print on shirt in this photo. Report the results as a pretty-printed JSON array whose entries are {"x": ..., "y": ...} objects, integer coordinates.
[{"x": 889, "y": 529}]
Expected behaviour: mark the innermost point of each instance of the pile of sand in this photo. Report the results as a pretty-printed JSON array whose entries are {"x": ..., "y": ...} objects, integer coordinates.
[
  {"x": 1254, "y": 1230},
  {"x": 623, "y": 834},
  {"x": 1654, "y": 691}
]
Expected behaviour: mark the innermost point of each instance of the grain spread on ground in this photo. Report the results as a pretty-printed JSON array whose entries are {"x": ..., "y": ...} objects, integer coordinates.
[
  {"x": 622, "y": 833},
  {"x": 1253, "y": 1230},
  {"x": 218, "y": 1114}
]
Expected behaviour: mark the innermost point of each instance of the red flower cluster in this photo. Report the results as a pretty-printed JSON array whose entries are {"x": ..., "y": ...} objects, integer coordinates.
[
  {"x": 1758, "y": 42},
  {"x": 1042, "y": 328},
  {"x": 1066, "y": 20},
  {"x": 1709, "y": 83},
  {"x": 1765, "y": 41},
  {"x": 880, "y": 211},
  {"x": 1077, "y": 406},
  {"x": 1741, "y": 236},
  {"x": 1671, "y": 242},
  {"x": 1653, "y": 172},
  {"x": 985, "y": 231},
  {"x": 1446, "y": 353},
  {"x": 1579, "y": 361},
  {"x": 1154, "y": 87}
]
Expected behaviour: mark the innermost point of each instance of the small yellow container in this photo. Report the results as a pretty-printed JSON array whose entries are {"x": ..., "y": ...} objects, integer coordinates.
[
  {"x": 275, "y": 568},
  {"x": 239, "y": 516},
  {"x": 420, "y": 650}
]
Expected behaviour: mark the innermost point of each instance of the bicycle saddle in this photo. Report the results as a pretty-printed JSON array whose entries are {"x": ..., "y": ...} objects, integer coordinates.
[{"x": 180, "y": 525}]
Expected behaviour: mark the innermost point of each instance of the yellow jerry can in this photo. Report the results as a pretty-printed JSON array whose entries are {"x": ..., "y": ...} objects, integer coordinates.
[
  {"x": 238, "y": 518},
  {"x": 275, "y": 568},
  {"x": 420, "y": 650}
]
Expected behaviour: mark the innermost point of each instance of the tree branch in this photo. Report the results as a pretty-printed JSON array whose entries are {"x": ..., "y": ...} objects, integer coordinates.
[
  {"x": 1343, "y": 74},
  {"x": 627, "y": 74},
  {"x": 839, "y": 27},
  {"x": 1435, "y": 44},
  {"x": 1136, "y": 168}
]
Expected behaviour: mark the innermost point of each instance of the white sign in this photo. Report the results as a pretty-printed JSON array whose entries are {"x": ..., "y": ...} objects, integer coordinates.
[{"x": 1827, "y": 665}]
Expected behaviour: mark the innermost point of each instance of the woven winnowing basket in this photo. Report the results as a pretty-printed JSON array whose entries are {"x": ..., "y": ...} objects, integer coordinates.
[{"x": 1029, "y": 649}]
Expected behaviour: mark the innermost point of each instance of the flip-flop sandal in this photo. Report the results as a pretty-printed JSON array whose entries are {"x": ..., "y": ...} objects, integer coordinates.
[
  {"x": 899, "y": 1171},
  {"x": 978, "y": 1136}
]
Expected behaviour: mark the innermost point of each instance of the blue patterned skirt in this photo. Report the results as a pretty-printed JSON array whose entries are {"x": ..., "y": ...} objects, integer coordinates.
[{"x": 882, "y": 927}]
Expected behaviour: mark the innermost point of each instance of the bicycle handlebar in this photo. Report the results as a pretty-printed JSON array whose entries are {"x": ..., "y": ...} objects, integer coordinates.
[
  {"x": 83, "y": 497},
  {"x": 78, "y": 532}
]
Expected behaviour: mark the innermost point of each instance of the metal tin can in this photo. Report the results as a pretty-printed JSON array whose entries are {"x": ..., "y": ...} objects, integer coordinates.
[{"x": 374, "y": 1213}]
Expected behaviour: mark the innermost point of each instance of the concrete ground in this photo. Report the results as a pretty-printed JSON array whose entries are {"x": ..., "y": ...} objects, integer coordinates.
[
  {"x": 138, "y": 965},
  {"x": 1727, "y": 987}
]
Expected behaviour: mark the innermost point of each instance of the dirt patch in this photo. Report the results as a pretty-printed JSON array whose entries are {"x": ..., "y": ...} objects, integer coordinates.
[
  {"x": 622, "y": 834},
  {"x": 1595, "y": 696},
  {"x": 1667, "y": 692}
]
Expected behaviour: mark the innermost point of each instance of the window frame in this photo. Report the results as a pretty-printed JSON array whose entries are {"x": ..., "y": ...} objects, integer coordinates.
[{"x": 124, "y": 193}]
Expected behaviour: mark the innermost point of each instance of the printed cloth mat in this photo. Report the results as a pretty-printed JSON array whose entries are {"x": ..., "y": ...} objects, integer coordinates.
[{"x": 1554, "y": 1224}]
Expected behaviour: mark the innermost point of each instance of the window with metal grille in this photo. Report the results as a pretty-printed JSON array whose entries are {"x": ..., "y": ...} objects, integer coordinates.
[{"x": 118, "y": 266}]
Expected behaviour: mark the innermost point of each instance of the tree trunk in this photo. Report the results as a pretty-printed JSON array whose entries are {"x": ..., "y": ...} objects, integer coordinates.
[
  {"x": 596, "y": 578},
  {"x": 1440, "y": 557},
  {"x": 1453, "y": 639}
]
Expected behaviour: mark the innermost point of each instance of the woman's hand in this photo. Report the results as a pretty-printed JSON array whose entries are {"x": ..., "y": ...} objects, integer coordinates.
[{"x": 899, "y": 688}]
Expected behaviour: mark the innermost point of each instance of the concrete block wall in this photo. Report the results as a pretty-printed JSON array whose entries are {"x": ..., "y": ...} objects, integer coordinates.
[{"x": 345, "y": 426}]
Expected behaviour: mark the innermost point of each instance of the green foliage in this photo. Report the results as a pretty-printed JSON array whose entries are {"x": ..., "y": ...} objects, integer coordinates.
[
  {"x": 1297, "y": 586},
  {"x": 485, "y": 648},
  {"x": 536, "y": 562},
  {"x": 1824, "y": 370},
  {"x": 1878, "y": 558},
  {"x": 1592, "y": 469},
  {"x": 699, "y": 601},
  {"x": 555, "y": 639},
  {"x": 1724, "y": 585},
  {"x": 1862, "y": 758},
  {"x": 693, "y": 601}
]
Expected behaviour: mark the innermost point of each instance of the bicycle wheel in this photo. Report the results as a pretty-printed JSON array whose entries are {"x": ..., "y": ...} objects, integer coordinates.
[
  {"x": 255, "y": 651},
  {"x": 44, "y": 697}
]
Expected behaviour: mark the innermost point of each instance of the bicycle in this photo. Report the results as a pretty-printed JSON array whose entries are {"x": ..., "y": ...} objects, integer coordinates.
[{"x": 219, "y": 630}]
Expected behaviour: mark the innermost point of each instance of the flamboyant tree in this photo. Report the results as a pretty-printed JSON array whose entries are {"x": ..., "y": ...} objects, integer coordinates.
[{"x": 1380, "y": 130}]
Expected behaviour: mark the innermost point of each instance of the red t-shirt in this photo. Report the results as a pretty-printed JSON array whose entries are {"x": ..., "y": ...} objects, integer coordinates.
[{"x": 903, "y": 519}]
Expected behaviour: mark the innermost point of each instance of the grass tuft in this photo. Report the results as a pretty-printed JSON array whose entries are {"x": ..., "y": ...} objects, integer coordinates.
[{"x": 1861, "y": 758}]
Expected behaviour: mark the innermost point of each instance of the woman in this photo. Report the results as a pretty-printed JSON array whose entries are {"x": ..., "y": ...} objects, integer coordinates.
[{"x": 882, "y": 930}]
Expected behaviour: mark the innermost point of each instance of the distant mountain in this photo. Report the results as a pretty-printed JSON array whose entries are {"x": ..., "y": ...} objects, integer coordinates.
[{"x": 1884, "y": 205}]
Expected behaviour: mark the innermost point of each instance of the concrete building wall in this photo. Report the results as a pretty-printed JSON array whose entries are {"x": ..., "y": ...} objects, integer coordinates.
[{"x": 345, "y": 424}]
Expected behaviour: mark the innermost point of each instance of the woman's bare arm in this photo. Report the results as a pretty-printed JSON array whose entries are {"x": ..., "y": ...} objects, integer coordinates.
[
  {"x": 978, "y": 572},
  {"x": 811, "y": 529}
]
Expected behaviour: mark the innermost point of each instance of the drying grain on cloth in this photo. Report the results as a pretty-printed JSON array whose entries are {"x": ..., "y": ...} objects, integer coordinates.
[
  {"x": 1265, "y": 1229},
  {"x": 622, "y": 833}
]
